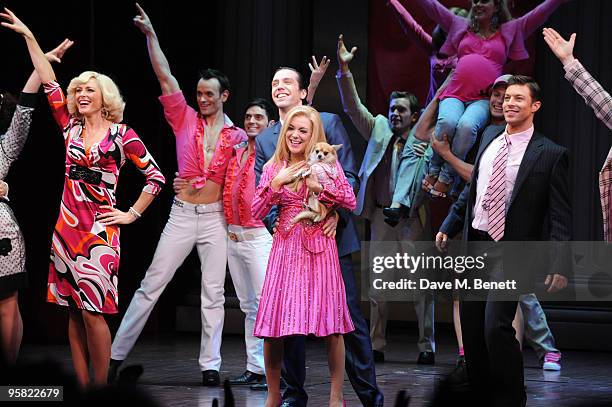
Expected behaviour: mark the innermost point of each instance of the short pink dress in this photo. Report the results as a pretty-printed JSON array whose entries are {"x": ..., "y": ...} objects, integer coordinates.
[{"x": 303, "y": 293}]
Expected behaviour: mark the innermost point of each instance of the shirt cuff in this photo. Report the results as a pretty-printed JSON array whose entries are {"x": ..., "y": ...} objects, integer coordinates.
[
  {"x": 28, "y": 99},
  {"x": 572, "y": 65},
  {"x": 340, "y": 74}
]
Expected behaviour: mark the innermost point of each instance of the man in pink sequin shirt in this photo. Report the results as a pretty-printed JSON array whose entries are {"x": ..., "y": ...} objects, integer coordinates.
[{"x": 205, "y": 140}]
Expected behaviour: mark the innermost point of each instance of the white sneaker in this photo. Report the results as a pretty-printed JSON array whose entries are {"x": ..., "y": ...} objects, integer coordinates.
[{"x": 552, "y": 361}]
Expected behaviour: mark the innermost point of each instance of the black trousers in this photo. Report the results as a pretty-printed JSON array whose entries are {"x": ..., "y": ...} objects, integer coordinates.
[
  {"x": 359, "y": 362},
  {"x": 493, "y": 357}
]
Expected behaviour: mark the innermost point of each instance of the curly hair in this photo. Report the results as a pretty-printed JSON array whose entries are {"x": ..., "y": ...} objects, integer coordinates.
[{"x": 112, "y": 101}]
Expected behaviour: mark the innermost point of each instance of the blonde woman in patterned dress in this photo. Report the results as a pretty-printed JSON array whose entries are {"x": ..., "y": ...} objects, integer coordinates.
[
  {"x": 85, "y": 248},
  {"x": 14, "y": 127}
]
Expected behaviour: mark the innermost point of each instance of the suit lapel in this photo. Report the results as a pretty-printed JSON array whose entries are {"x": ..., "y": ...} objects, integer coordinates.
[{"x": 533, "y": 151}]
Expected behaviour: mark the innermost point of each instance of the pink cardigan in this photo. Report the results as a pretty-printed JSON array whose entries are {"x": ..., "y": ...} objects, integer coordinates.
[{"x": 514, "y": 31}]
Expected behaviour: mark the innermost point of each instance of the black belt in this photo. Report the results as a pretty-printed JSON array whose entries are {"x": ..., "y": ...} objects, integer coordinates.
[
  {"x": 85, "y": 174},
  {"x": 480, "y": 235}
]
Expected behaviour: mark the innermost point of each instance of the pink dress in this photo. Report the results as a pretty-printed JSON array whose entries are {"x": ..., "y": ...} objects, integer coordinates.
[{"x": 303, "y": 293}]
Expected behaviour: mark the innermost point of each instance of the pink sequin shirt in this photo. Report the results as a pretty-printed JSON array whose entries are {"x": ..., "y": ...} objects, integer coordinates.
[{"x": 188, "y": 128}]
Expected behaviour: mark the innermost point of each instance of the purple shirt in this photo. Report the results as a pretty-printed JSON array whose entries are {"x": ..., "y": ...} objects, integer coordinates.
[
  {"x": 480, "y": 62},
  {"x": 517, "y": 144}
]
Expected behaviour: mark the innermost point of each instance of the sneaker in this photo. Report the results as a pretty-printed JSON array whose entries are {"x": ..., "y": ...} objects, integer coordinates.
[{"x": 552, "y": 361}]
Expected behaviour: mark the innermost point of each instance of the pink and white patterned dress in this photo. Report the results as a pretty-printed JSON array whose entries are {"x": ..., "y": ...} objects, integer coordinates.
[
  {"x": 303, "y": 292},
  {"x": 84, "y": 265}
]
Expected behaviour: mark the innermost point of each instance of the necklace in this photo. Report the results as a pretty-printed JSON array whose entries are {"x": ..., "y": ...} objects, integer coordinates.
[{"x": 210, "y": 143}]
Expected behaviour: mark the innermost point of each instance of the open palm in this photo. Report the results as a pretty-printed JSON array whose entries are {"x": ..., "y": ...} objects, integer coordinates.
[
  {"x": 564, "y": 50},
  {"x": 344, "y": 56}
]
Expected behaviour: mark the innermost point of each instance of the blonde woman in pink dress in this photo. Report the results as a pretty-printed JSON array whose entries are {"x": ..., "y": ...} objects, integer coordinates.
[{"x": 303, "y": 292}]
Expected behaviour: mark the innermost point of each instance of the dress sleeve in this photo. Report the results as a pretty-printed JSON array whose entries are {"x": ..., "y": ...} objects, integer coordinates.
[
  {"x": 12, "y": 142},
  {"x": 339, "y": 192},
  {"x": 265, "y": 197},
  {"x": 58, "y": 104},
  {"x": 538, "y": 16},
  {"x": 136, "y": 152},
  {"x": 438, "y": 13},
  {"x": 412, "y": 29}
]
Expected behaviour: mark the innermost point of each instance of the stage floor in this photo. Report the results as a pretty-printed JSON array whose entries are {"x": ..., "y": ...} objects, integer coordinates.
[{"x": 172, "y": 377}]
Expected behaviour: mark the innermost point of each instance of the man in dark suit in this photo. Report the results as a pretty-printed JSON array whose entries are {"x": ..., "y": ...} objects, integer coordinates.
[
  {"x": 518, "y": 192},
  {"x": 289, "y": 91}
]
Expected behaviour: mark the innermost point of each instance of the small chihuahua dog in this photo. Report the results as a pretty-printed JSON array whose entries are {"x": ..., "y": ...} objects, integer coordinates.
[{"x": 322, "y": 163}]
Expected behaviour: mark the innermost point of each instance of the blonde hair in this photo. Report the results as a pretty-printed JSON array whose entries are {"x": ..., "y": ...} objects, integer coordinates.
[
  {"x": 112, "y": 102},
  {"x": 318, "y": 134}
]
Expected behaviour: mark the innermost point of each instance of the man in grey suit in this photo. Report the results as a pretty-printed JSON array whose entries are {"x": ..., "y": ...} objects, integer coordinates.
[
  {"x": 386, "y": 137},
  {"x": 289, "y": 91}
]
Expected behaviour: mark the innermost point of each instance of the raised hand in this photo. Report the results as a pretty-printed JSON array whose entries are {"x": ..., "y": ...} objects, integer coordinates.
[
  {"x": 143, "y": 22},
  {"x": 15, "y": 24},
  {"x": 56, "y": 54},
  {"x": 564, "y": 50},
  {"x": 344, "y": 56},
  {"x": 317, "y": 71}
]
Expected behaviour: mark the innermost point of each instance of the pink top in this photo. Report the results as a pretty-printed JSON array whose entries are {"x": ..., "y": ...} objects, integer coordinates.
[
  {"x": 188, "y": 127},
  {"x": 239, "y": 189},
  {"x": 514, "y": 31},
  {"x": 517, "y": 144},
  {"x": 480, "y": 62}
]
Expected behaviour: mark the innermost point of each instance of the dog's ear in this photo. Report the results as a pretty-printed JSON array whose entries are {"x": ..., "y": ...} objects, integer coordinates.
[{"x": 337, "y": 146}]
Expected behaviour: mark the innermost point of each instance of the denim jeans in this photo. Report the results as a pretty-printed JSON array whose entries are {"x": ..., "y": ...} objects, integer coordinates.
[{"x": 461, "y": 123}]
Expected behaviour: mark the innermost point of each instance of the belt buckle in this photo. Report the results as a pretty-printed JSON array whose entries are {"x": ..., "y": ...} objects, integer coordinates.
[
  {"x": 233, "y": 237},
  {"x": 197, "y": 209}
]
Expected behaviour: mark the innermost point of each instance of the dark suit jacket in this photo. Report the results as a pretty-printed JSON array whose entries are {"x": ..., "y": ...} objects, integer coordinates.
[
  {"x": 539, "y": 208},
  {"x": 346, "y": 233}
]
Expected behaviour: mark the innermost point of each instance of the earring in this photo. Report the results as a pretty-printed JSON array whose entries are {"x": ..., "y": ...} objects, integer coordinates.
[
  {"x": 495, "y": 21},
  {"x": 105, "y": 113}
]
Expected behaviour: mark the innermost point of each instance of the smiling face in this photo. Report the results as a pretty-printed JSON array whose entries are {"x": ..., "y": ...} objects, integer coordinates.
[
  {"x": 255, "y": 121},
  {"x": 519, "y": 107},
  {"x": 483, "y": 10},
  {"x": 286, "y": 92},
  {"x": 496, "y": 102},
  {"x": 209, "y": 97},
  {"x": 298, "y": 135},
  {"x": 88, "y": 97},
  {"x": 400, "y": 115}
]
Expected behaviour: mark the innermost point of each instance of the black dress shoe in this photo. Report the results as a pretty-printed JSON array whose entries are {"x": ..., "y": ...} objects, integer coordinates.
[
  {"x": 379, "y": 357},
  {"x": 113, "y": 370},
  {"x": 426, "y": 358},
  {"x": 210, "y": 378},
  {"x": 247, "y": 377},
  {"x": 263, "y": 386},
  {"x": 457, "y": 380}
]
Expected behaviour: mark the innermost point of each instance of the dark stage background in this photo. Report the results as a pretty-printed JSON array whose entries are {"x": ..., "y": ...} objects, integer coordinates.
[{"x": 247, "y": 39}]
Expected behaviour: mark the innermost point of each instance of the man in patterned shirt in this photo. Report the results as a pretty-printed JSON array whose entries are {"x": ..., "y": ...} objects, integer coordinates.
[{"x": 598, "y": 99}]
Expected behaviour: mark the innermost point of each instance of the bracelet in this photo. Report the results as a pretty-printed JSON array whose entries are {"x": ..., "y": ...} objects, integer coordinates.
[{"x": 134, "y": 212}]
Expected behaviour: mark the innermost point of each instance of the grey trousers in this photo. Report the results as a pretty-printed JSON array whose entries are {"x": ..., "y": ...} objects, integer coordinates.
[
  {"x": 537, "y": 332},
  {"x": 409, "y": 229}
]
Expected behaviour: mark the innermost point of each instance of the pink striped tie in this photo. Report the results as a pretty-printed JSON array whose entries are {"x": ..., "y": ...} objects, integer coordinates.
[{"x": 495, "y": 197}]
